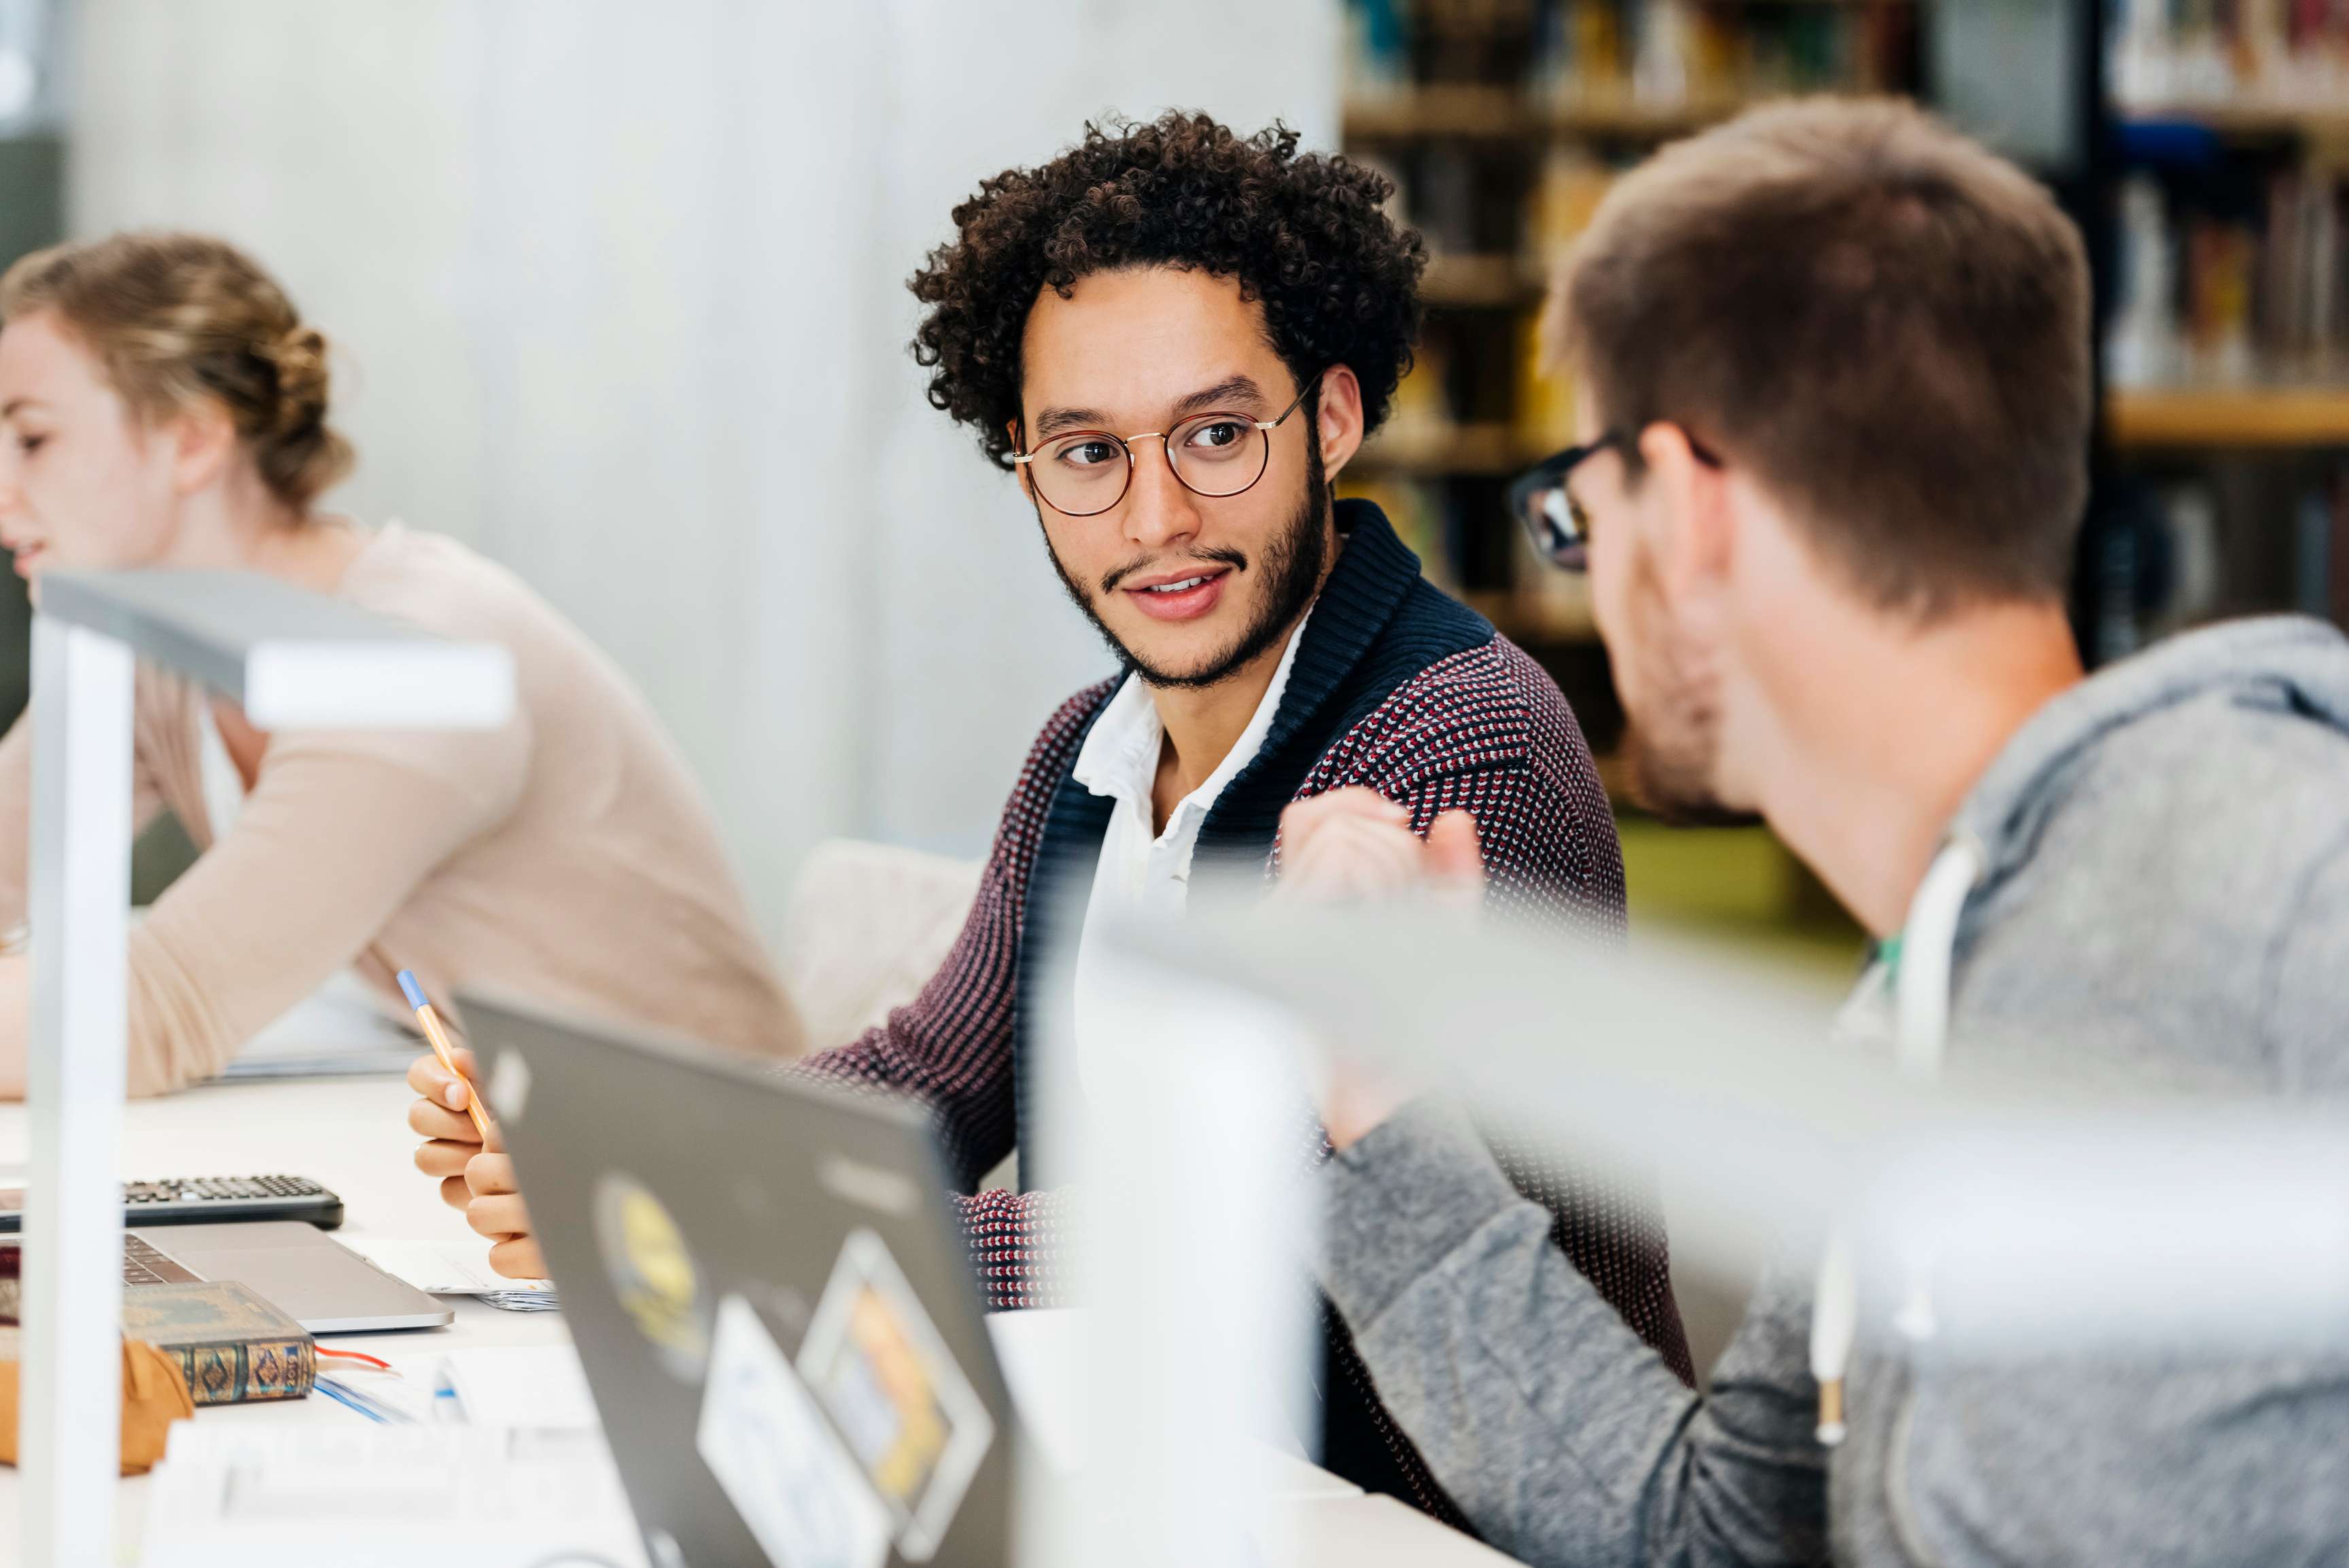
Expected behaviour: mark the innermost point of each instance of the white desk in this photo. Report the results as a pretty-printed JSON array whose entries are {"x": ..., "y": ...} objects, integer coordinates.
[{"x": 352, "y": 1135}]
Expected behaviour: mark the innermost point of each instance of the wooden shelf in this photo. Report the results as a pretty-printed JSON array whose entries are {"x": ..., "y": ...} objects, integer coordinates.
[
  {"x": 1461, "y": 111},
  {"x": 2270, "y": 416},
  {"x": 2138, "y": 418},
  {"x": 1502, "y": 113},
  {"x": 1490, "y": 282},
  {"x": 1494, "y": 450}
]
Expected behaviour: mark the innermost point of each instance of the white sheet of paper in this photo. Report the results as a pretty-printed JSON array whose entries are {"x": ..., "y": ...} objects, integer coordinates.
[
  {"x": 528, "y": 1386},
  {"x": 440, "y": 1268},
  {"x": 802, "y": 1496},
  {"x": 281, "y": 1493}
]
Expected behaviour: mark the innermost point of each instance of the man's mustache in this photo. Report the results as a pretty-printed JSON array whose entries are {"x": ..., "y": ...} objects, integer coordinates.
[{"x": 1220, "y": 556}]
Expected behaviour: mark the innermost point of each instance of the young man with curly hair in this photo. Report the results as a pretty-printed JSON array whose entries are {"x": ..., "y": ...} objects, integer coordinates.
[{"x": 1176, "y": 336}]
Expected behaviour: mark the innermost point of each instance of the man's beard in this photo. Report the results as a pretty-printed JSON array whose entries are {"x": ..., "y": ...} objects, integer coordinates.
[
  {"x": 1293, "y": 561},
  {"x": 1673, "y": 747}
]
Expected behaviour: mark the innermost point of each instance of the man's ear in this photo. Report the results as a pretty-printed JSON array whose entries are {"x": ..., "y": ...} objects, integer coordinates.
[
  {"x": 1341, "y": 421},
  {"x": 1699, "y": 530},
  {"x": 203, "y": 441}
]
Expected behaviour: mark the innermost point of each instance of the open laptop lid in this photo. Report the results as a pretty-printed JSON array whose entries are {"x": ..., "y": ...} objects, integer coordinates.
[{"x": 770, "y": 1294}]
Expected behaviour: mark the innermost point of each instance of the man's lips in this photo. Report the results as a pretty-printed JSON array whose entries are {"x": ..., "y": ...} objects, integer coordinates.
[
  {"x": 25, "y": 555},
  {"x": 1183, "y": 595}
]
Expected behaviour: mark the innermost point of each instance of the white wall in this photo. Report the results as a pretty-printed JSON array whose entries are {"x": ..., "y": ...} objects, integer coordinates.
[{"x": 619, "y": 294}]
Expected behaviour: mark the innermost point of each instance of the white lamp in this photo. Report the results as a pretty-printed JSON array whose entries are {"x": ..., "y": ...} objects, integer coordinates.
[{"x": 291, "y": 659}]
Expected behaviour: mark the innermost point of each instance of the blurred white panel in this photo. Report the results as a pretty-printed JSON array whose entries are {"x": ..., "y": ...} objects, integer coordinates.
[
  {"x": 1188, "y": 1133},
  {"x": 618, "y": 290}
]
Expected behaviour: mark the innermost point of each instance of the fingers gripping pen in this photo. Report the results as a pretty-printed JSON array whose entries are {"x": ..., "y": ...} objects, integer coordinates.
[{"x": 437, "y": 1034}]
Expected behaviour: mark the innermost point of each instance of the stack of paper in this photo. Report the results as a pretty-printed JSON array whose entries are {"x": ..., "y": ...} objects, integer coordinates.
[
  {"x": 279, "y": 1495},
  {"x": 454, "y": 1268}
]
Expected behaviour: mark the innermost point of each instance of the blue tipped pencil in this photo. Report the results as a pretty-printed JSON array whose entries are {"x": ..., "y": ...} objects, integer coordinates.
[{"x": 439, "y": 1036}]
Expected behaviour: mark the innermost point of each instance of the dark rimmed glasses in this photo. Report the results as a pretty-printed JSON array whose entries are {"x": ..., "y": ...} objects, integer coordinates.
[
  {"x": 1545, "y": 509},
  {"x": 1217, "y": 454}
]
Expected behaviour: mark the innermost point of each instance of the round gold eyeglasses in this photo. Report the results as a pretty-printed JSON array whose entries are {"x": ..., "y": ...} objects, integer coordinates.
[{"x": 1084, "y": 473}]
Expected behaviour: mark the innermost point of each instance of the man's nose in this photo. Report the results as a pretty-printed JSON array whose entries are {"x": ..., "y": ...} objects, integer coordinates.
[{"x": 1159, "y": 510}]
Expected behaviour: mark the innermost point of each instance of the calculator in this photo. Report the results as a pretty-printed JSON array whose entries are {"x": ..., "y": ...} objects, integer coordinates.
[{"x": 210, "y": 1199}]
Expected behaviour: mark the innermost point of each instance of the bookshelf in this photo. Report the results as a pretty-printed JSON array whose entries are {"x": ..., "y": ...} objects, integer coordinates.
[
  {"x": 1502, "y": 123},
  {"x": 2228, "y": 347}
]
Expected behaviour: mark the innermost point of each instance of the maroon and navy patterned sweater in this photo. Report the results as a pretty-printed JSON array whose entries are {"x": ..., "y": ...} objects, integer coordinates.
[{"x": 1396, "y": 687}]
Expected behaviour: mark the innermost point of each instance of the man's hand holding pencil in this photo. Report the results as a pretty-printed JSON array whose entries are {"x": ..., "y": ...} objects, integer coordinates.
[{"x": 465, "y": 1152}]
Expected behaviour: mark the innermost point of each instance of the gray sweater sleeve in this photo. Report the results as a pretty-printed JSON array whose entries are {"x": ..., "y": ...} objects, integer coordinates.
[
  {"x": 2307, "y": 981},
  {"x": 1562, "y": 1436}
]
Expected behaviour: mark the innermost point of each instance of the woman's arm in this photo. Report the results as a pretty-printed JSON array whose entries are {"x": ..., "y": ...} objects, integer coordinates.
[
  {"x": 335, "y": 836},
  {"x": 16, "y": 827}
]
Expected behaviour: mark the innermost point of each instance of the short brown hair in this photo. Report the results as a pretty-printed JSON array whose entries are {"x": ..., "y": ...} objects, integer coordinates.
[
  {"x": 173, "y": 318},
  {"x": 1886, "y": 323}
]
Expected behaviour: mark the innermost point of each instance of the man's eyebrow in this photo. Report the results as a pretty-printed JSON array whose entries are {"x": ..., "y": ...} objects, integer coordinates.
[
  {"x": 1224, "y": 394},
  {"x": 9, "y": 410},
  {"x": 1052, "y": 421}
]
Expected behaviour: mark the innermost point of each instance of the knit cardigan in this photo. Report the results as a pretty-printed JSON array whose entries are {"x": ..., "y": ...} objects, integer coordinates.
[{"x": 1395, "y": 688}]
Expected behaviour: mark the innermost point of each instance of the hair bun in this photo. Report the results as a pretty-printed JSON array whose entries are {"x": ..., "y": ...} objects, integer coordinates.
[
  {"x": 303, "y": 376},
  {"x": 176, "y": 319}
]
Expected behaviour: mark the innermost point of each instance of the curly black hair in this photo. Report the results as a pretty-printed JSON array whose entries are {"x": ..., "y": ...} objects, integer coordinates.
[{"x": 1306, "y": 235}]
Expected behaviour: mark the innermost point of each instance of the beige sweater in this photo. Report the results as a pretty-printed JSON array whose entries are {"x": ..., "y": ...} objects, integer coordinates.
[{"x": 568, "y": 856}]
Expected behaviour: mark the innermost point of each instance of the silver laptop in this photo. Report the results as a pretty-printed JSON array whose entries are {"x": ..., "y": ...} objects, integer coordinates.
[
  {"x": 315, "y": 1281},
  {"x": 306, "y": 1274}
]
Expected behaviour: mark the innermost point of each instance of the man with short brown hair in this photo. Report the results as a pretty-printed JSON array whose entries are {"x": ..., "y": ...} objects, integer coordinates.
[{"x": 1833, "y": 366}]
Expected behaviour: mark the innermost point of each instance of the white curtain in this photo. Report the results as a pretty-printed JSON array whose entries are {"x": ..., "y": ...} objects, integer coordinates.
[{"x": 618, "y": 291}]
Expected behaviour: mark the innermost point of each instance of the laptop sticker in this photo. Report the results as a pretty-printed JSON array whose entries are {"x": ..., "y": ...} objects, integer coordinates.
[
  {"x": 801, "y": 1496},
  {"x": 895, "y": 1393},
  {"x": 652, "y": 1272},
  {"x": 509, "y": 1086}
]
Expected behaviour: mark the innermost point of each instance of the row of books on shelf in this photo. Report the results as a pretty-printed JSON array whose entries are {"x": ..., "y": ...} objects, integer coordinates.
[
  {"x": 1660, "y": 52},
  {"x": 1434, "y": 420},
  {"x": 2195, "y": 562},
  {"x": 2219, "y": 53},
  {"x": 2235, "y": 300},
  {"x": 1492, "y": 239},
  {"x": 1467, "y": 546}
]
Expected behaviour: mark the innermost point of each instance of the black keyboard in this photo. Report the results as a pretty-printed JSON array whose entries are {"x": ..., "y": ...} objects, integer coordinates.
[
  {"x": 215, "y": 1200},
  {"x": 142, "y": 1265}
]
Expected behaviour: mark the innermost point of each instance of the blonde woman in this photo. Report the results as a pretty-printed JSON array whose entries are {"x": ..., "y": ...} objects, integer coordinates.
[{"x": 164, "y": 406}]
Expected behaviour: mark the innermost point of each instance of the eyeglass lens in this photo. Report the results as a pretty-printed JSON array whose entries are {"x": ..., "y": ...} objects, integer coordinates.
[{"x": 1212, "y": 455}]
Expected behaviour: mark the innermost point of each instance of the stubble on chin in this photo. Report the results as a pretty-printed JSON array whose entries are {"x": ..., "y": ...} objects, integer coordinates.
[
  {"x": 1672, "y": 740},
  {"x": 1291, "y": 567}
]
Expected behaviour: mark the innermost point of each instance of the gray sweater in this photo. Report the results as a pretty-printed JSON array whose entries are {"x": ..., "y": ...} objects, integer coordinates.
[{"x": 2167, "y": 900}]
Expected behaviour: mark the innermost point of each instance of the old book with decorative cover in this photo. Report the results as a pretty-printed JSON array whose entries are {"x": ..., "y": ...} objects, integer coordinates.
[{"x": 234, "y": 1345}]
